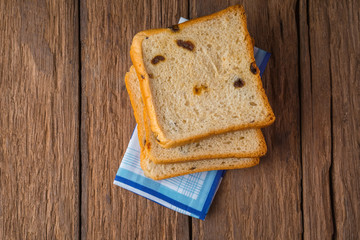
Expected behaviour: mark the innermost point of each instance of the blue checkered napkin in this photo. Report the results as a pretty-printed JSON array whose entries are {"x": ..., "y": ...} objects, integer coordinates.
[{"x": 190, "y": 194}]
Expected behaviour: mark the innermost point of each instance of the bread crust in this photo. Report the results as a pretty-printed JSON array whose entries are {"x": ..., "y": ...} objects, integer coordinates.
[
  {"x": 137, "y": 59},
  {"x": 144, "y": 159},
  {"x": 133, "y": 104},
  {"x": 143, "y": 123},
  {"x": 259, "y": 153},
  {"x": 144, "y": 162}
]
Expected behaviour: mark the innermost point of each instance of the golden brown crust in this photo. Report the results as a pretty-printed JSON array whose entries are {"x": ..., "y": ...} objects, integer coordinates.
[
  {"x": 143, "y": 163},
  {"x": 188, "y": 140},
  {"x": 137, "y": 115},
  {"x": 247, "y": 164},
  {"x": 259, "y": 153},
  {"x": 136, "y": 57}
]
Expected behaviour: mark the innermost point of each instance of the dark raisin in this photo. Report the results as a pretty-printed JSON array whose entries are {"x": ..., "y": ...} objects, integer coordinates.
[
  {"x": 185, "y": 44},
  {"x": 144, "y": 142},
  {"x": 252, "y": 121},
  {"x": 142, "y": 76},
  {"x": 193, "y": 168},
  {"x": 174, "y": 28},
  {"x": 148, "y": 146},
  {"x": 239, "y": 83},
  {"x": 157, "y": 139},
  {"x": 253, "y": 68},
  {"x": 151, "y": 76},
  {"x": 157, "y": 59},
  {"x": 147, "y": 38},
  {"x": 198, "y": 89}
]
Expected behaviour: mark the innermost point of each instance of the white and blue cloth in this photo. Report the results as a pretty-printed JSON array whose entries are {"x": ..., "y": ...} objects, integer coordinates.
[{"x": 189, "y": 194}]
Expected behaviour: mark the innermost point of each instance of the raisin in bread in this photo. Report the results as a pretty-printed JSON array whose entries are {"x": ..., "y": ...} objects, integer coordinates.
[
  {"x": 162, "y": 171},
  {"x": 200, "y": 78},
  {"x": 242, "y": 143}
]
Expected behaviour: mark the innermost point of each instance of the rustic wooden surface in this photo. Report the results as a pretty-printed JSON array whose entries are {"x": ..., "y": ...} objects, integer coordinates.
[
  {"x": 344, "y": 68},
  {"x": 39, "y": 120},
  {"x": 65, "y": 122},
  {"x": 315, "y": 87}
]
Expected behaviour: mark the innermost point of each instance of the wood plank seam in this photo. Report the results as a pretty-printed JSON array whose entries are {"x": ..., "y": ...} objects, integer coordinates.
[
  {"x": 317, "y": 136},
  {"x": 83, "y": 136},
  {"x": 80, "y": 118},
  {"x": 331, "y": 169},
  {"x": 311, "y": 87},
  {"x": 297, "y": 16}
]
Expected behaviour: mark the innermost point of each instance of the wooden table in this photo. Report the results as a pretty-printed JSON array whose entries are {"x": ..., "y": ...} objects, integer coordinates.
[{"x": 66, "y": 119}]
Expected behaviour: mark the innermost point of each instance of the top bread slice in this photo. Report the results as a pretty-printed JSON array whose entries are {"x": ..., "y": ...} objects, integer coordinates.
[
  {"x": 200, "y": 78},
  {"x": 162, "y": 171},
  {"x": 242, "y": 143}
]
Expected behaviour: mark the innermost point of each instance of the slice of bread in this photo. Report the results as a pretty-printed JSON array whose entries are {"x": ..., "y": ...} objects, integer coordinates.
[
  {"x": 200, "y": 78},
  {"x": 162, "y": 171},
  {"x": 242, "y": 143}
]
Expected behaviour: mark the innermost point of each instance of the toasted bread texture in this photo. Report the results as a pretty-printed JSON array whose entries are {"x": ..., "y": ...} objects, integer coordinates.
[
  {"x": 200, "y": 78},
  {"x": 238, "y": 144}
]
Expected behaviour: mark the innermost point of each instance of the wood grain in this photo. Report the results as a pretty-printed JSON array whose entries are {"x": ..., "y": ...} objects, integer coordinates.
[
  {"x": 109, "y": 212},
  {"x": 344, "y": 70},
  {"x": 330, "y": 106},
  {"x": 264, "y": 202},
  {"x": 315, "y": 119},
  {"x": 39, "y": 127},
  {"x": 308, "y": 185}
]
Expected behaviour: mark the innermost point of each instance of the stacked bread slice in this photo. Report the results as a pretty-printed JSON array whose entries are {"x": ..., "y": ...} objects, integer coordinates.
[{"x": 197, "y": 96}]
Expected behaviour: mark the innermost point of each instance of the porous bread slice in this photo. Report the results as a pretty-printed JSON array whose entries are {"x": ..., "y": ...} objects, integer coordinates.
[
  {"x": 200, "y": 78},
  {"x": 162, "y": 171},
  {"x": 242, "y": 143}
]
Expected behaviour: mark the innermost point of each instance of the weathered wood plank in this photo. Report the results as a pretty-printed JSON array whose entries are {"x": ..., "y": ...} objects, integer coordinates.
[
  {"x": 315, "y": 119},
  {"x": 39, "y": 127},
  {"x": 264, "y": 202},
  {"x": 344, "y": 65},
  {"x": 108, "y": 211},
  {"x": 330, "y": 107}
]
